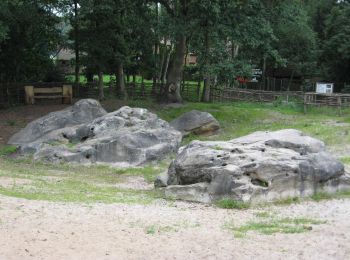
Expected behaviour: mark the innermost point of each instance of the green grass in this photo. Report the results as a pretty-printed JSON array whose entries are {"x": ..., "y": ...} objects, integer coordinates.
[
  {"x": 345, "y": 160},
  {"x": 7, "y": 150},
  {"x": 239, "y": 118},
  {"x": 287, "y": 201},
  {"x": 231, "y": 204},
  {"x": 73, "y": 183},
  {"x": 108, "y": 78},
  {"x": 326, "y": 196},
  {"x": 95, "y": 184},
  {"x": 11, "y": 122},
  {"x": 268, "y": 225}
]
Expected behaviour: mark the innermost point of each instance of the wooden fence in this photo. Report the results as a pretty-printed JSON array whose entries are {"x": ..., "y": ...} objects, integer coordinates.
[
  {"x": 237, "y": 94},
  {"x": 332, "y": 100},
  {"x": 13, "y": 93}
]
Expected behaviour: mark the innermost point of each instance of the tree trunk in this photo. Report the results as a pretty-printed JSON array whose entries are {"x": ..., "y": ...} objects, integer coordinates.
[
  {"x": 264, "y": 74},
  {"x": 166, "y": 66},
  {"x": 161, "y": 63},
  {"x": 206, "y": 89},
  {"x": 101, "y": 95},
  {"x": 162, "y": 90},
  {"x": 173, "y": 85},
  {"x": 76, "y": 45},
  {"x": 156, "y": 55},
  {"x": 121, "y": 81}
]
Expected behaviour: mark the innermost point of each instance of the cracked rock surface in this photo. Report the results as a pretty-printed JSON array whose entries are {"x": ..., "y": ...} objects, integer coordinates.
[
  {"x": 262, "y": 166},
  {"x": 85, "y": 133}
]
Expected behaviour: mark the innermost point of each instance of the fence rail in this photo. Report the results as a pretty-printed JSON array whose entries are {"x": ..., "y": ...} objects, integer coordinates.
[
  {"x": 13, "y": 93},
  {"x": 332, "y": 100},
  {"x": 236, "y": 94}
]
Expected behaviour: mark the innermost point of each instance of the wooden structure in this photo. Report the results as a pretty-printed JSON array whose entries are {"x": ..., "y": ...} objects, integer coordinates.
[
  {"x": 333, "y": 100},
  {"x": 250, "y": 95},
  {"x": 65, "y": 93}
]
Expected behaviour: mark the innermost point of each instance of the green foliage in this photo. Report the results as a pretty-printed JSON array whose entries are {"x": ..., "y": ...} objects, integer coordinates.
[
  {"x": 7, "y": 150},
  {"x": 336, "y": 47},
  {"x": 28, "y": 37},
  {"x": 11, "y": 122},
  {"x": 296, "y": 39}
]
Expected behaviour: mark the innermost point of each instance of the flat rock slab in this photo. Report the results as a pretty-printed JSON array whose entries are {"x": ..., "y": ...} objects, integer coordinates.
[
  {"x": 263, "y": 166},
  {"x": 196, "y": 122},
  {"x": 85, "y": 133}
]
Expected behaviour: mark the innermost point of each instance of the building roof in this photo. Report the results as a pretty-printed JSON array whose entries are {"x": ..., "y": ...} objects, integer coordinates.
[{"x": 65, "y": 54}]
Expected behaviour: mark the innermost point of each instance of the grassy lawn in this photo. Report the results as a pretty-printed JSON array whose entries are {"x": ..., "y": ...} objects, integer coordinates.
[
  {"x": 238, "y": 119},
  {"x": 23, "y": 178},
  {"x": 70, "y": 183}
]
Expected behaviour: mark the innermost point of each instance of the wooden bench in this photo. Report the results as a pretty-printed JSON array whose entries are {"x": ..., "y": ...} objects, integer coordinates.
[{"x": 65, "y": 93}]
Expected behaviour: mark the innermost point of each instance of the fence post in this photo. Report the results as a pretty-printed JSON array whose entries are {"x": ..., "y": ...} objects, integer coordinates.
[
  {"x": 29, "y": 91},
  {"x": 67, "y": 94},
  {"x": 305, "y": 103},
  {"x": 339, "y": 105},
  {"x": 199, "y": 91}
]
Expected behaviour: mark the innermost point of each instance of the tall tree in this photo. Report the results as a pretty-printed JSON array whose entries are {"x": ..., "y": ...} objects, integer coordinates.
[
  {"x": 296, "y": 38},
  {"x": 336, "y": 46},
  {"x": 29, "y": 37}
]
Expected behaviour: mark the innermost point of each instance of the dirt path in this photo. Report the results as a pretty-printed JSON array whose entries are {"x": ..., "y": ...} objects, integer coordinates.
[{"x": 44, "y": 230}]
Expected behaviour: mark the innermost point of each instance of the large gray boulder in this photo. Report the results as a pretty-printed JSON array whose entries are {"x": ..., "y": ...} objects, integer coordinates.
[
  {"x": 196, "y": 122},
  {"x": 263, "y": 166},
  {"x": 83, "y": 111},
  {"x": 126, "y": 137}
]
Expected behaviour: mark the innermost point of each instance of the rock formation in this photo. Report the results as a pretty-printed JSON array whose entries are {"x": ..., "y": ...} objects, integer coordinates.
[
  {"x": 85, "y": 133},
  {"x": 263, "y": 166}
]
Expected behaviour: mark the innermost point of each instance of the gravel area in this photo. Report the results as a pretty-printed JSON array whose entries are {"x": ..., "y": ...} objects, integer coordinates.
[{"x": 164, "y": 230}]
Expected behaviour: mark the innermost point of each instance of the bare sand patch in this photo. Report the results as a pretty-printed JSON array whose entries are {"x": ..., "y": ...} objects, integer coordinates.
[
  {"x": 44, "y": 230},
  {"x": 8, "y": 182}
]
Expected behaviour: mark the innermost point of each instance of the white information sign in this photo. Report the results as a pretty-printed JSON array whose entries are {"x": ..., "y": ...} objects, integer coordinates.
[{"x": 324, "y": 88}]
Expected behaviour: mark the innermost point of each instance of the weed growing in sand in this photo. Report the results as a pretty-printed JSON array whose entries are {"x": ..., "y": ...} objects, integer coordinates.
[
  {"x": 326, "y": 196},
  {"x": 287, "y": 201},
  {"x": 231, "y": 204},
  {"x": 160, "y": 229},
  {"x": 272, "y": 225},
  {"x": 155, "y": 229},
  {"x": 263, "y": 214}
]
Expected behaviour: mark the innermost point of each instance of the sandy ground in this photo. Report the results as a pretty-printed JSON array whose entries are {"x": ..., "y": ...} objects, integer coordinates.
[{"x": 45, "y": 230}]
